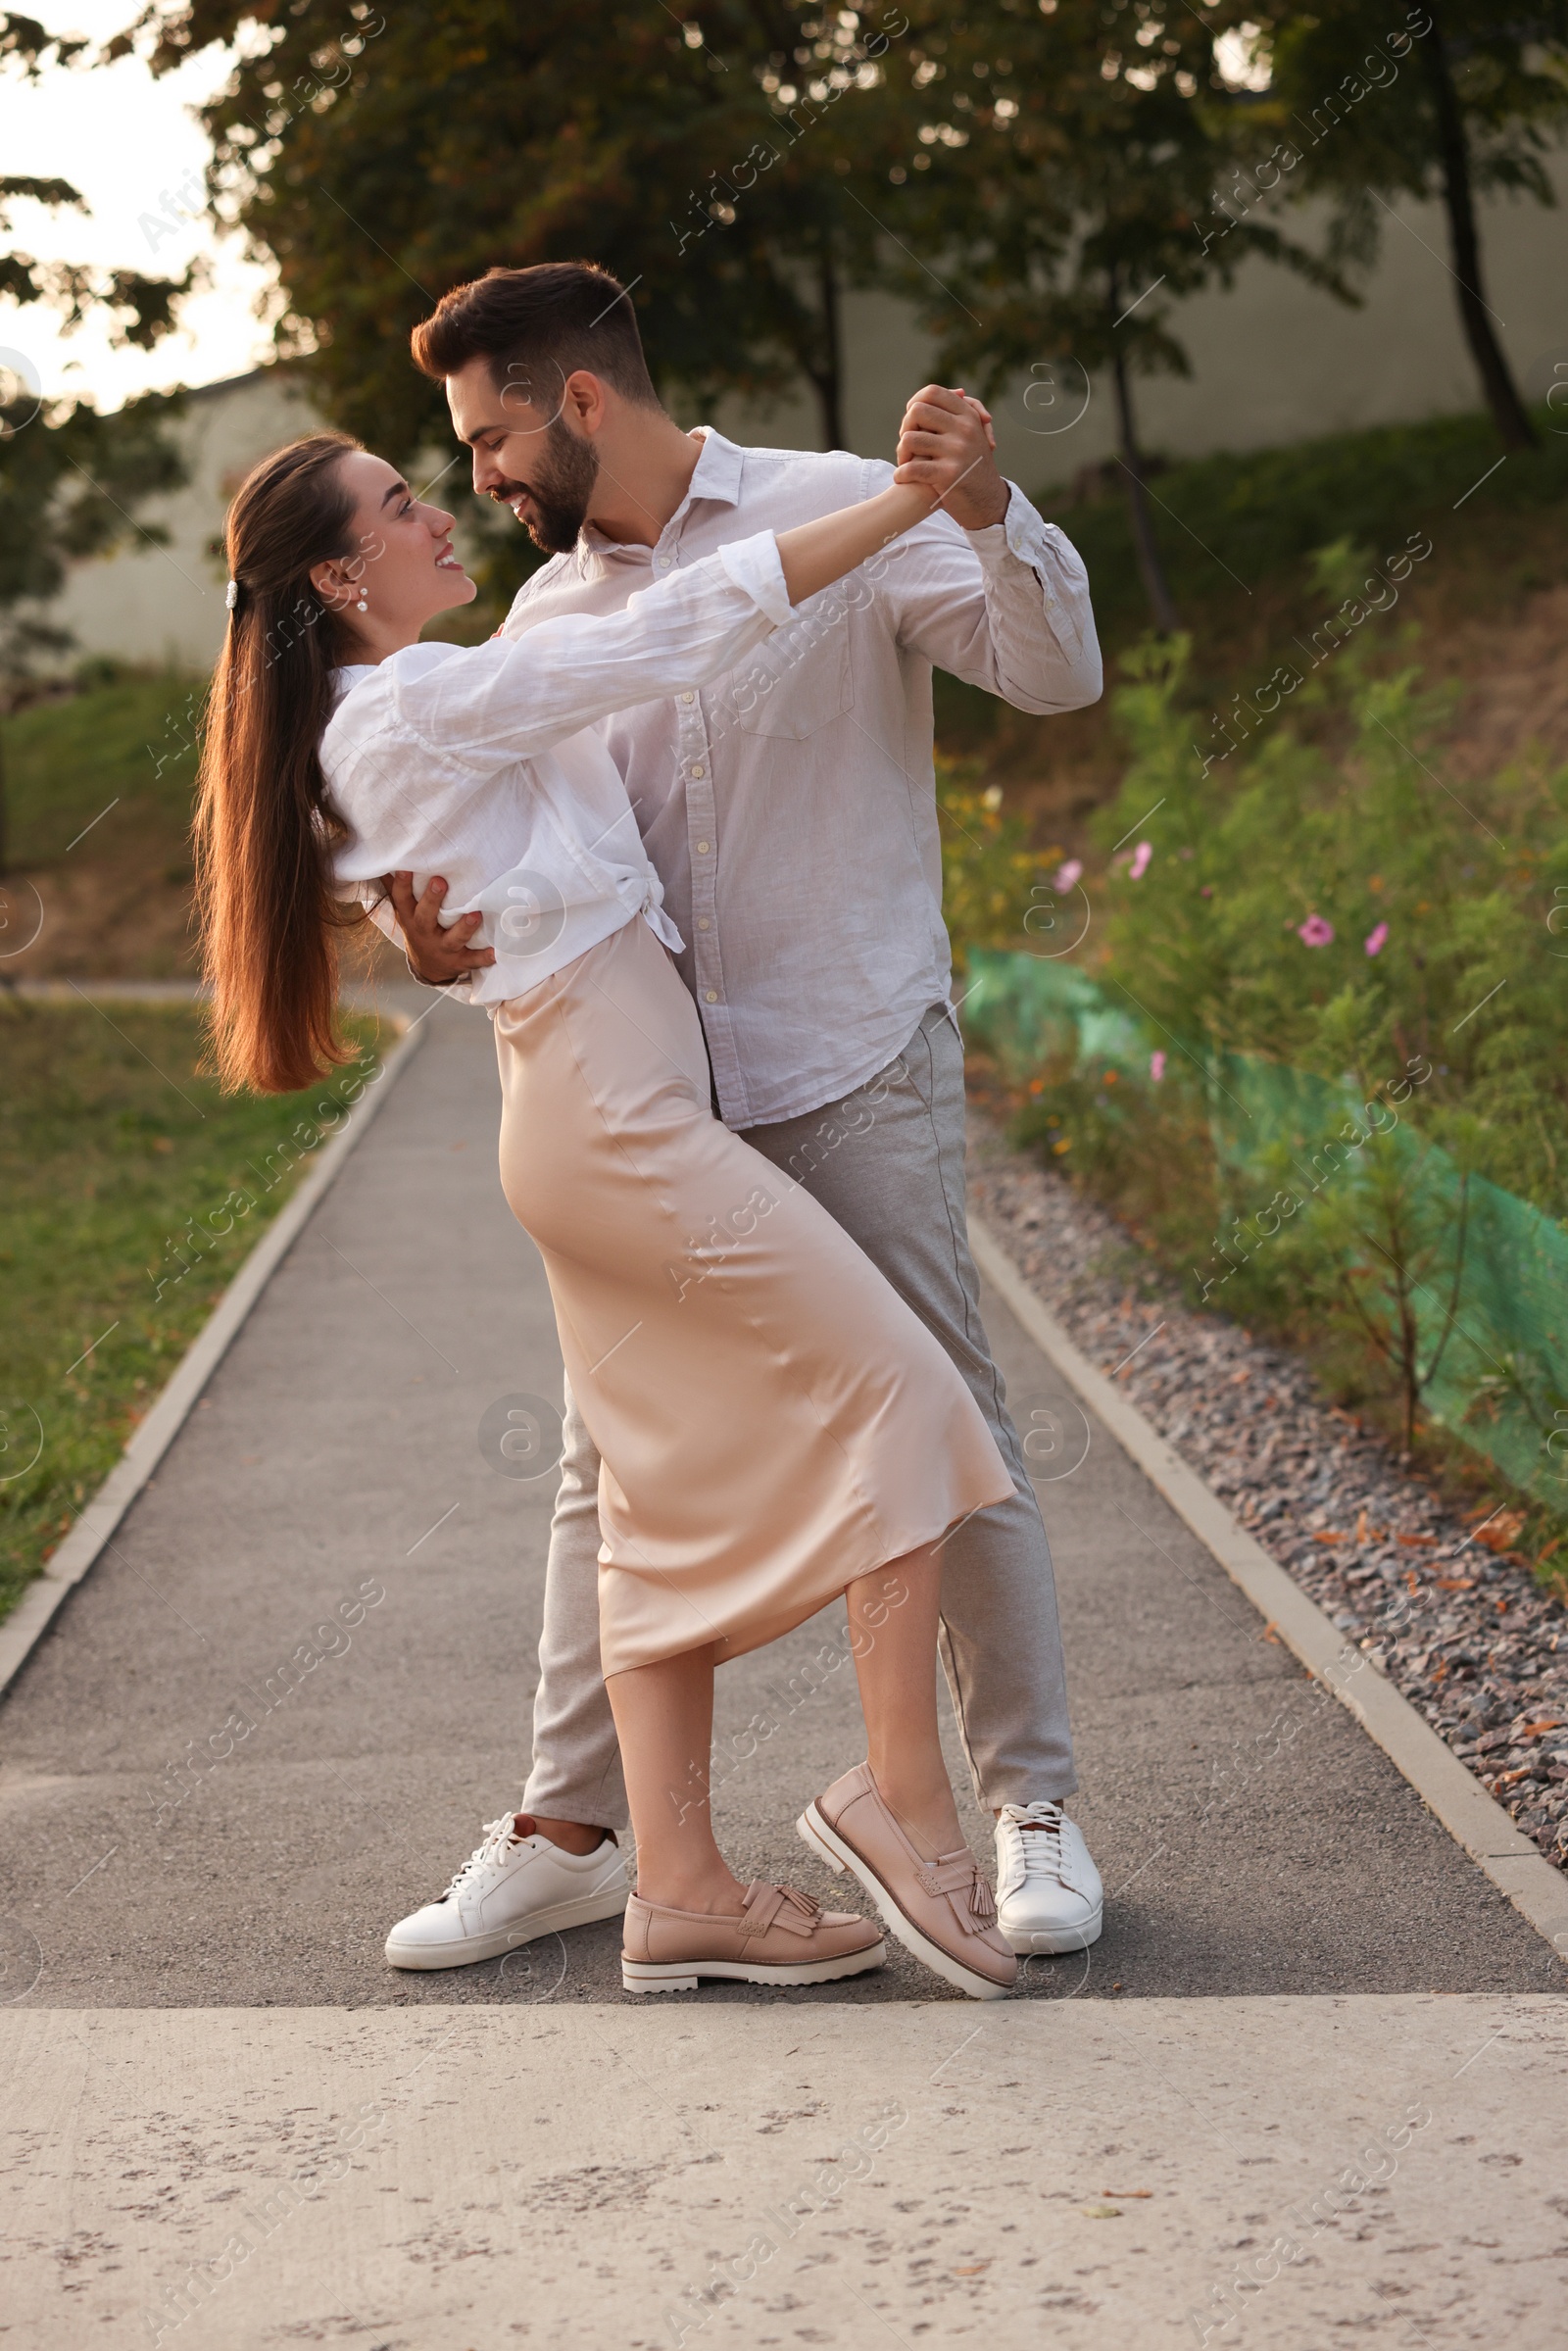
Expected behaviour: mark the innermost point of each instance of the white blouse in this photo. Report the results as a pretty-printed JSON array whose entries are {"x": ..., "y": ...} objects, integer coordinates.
[{"x": 473, "y": 761}]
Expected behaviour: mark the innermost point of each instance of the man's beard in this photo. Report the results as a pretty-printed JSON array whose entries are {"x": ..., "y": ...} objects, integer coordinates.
[{"x": 559, "y": 489}]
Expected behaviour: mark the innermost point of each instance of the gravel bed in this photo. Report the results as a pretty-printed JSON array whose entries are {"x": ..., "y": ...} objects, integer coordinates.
[{"x": 1452, "y": 1617}]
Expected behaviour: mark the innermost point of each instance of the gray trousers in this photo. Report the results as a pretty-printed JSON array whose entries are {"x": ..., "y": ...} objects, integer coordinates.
[{"x": 888, "y": 1163}]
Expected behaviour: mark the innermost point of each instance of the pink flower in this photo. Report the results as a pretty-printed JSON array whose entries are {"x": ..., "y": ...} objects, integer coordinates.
[
  {"x": 1140, "y": 864},
  {"x": 1156, "y": 1066},
  {"x": 1377, "y": 940},
  {"x": 1068, "y": 874},
  {"x": 1315, "y": 932}
]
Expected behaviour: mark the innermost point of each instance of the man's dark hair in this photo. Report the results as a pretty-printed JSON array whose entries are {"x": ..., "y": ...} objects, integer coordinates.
[{"x": 529, "y": 323}]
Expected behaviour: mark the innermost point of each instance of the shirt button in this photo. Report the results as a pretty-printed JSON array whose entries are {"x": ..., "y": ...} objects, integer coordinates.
[
  {"x": 702, "y": 849},
  {"x": 688, "y": 698},
  {"x": 713, "y": 996},
  {"x": 663, "y": 561},
  {"x": 699, "y": 770},
  {"x": 703, "y": 923}
]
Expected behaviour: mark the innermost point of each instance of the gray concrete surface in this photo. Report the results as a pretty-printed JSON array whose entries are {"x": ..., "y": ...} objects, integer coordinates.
[
  {"x": 1257, "y": 2173},
  {"x": 1253, "y": 1840}
]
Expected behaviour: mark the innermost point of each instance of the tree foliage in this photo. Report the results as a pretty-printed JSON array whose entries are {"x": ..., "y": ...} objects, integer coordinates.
[
  {"x": 1044, "y": 178},
  {"x": 141, "y": 307},
  {"x": 1073, "y": 163},
  {"x": 69, "y": 479},
  {"x": 1449, "y": 100},
  {"x": 1027, "y": 174},
  {"x": 382, "y": 159},
  {"x": 69, "y": 482}
]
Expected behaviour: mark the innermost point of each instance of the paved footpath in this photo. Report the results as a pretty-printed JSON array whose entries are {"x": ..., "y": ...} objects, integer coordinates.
[{"x": 1313, "y": 2077}]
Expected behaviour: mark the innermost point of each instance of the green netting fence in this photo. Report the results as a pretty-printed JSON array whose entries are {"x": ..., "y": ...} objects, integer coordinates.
[{"x": 1501, "y": 1383}]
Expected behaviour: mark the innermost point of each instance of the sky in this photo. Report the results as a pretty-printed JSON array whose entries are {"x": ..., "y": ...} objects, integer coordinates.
[{"x": 132, "y": 146}]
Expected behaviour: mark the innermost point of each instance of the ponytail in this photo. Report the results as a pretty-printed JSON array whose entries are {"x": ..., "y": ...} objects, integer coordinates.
[{"x": 265, "y": 829}]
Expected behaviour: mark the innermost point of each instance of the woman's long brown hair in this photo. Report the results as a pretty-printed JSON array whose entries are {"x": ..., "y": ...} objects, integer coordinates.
[{"x": 264, "y": 828}]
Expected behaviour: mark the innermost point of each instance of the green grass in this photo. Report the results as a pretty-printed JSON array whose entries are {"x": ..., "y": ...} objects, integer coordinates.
[
  {"x": 1232, "y": 524},
  {"x": 114, "y": 1157},
  {"x": 126, "y": 747}
]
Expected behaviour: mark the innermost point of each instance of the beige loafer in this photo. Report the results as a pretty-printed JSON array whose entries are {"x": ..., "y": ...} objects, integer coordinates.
[
  {"x": 941, "y": 1909},
  {"x": 781, "y": 1936}
]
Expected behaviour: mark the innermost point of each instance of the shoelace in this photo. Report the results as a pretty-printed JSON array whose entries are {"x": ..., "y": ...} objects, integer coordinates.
[
  {"x": 1039, "y": 1828},
  {"x": 498, "y": 1835}
]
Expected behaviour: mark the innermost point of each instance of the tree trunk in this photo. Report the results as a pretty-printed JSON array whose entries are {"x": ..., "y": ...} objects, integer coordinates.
[
  {"x": 1150, "y": 570},
  {"x": 1508, "y": 412},
  {"x": 828, "y": 375}
]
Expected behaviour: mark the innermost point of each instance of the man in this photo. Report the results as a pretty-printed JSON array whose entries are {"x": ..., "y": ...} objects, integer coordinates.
[{"x": 790, "y": 815}]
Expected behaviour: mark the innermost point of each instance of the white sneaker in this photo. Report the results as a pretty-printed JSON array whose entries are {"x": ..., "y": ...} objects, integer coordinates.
[
  {"x": 511, "y": 1888},
  {"x": 1049, "y": 1894}
]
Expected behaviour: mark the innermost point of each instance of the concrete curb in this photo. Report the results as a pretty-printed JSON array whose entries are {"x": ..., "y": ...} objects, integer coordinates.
[
  {"x": 28, "y": 1621},
  {"x": 1443, "y": 1783},
  {"x": 120, "y": 992}
]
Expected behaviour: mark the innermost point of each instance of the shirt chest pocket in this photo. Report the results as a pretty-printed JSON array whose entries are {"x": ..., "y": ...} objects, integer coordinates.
[{"x": 799, "y": 680}]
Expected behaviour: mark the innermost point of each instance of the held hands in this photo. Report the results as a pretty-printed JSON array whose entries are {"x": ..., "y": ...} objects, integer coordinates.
[
  {"x": 944, "y": 458},
  {"x": 439, "y": 957},
  {"x": 948, "y": 447}
]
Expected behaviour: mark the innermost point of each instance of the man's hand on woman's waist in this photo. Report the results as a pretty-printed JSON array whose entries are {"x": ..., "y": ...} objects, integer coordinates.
[{"x": 436, "y": 955}]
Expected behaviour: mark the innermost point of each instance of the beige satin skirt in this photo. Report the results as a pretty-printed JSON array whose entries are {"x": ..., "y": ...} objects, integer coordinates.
[{"x": 773, "y": 1421}]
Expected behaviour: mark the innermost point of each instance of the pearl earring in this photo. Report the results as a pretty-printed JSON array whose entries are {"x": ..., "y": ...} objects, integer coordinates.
[{"x": 362, "y": 605}]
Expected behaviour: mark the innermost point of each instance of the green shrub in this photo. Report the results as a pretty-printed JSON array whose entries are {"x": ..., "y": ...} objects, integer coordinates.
[
  {"x": 1345, "y": 915},
  {"x": 1237, "y": 520},
  {"x": 1142, "y": 1149},
  {"x": 995, "y": 891},
  {"x": 1318, "y": 1070}
]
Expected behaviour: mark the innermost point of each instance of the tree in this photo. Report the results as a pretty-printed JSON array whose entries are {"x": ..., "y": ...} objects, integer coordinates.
[
  {"x": 70, "y": 479},
  {"x": 1074, "y": 162},
  {"x": 702, "y": 163},
  {"x": 141, "y": 307},
  {"x": 1450, "y": 98}
]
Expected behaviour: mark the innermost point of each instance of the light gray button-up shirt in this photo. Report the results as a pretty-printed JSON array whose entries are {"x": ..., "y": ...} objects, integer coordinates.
[{"x": 790, "y": 811}]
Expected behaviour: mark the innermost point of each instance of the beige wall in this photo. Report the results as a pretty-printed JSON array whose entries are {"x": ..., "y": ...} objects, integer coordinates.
[
  {"x": 1273, "y": 362},
  {"x": 155, "y": 605}
]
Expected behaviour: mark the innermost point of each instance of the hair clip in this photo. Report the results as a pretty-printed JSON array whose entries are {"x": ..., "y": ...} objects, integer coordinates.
[{"x": 231, "y": 594}]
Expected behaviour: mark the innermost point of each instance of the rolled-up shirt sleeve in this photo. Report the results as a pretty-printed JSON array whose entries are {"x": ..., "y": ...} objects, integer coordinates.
[
  {"x": 1006, "y": 609},
  {"x": 517, "y": 696}
]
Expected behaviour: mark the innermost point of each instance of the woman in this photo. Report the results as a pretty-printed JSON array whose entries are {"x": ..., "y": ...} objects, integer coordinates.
[{"x": 776, "y": 1427}]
